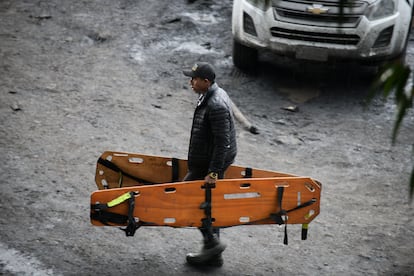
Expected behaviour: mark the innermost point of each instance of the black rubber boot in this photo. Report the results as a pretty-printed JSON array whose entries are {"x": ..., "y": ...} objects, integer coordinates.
[
  {"x": 210, "y": 254},
  {"x": 216, "y": 261}
]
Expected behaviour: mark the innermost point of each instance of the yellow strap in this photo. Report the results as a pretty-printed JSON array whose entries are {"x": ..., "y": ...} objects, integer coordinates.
[{"x": 119, "y": 200}]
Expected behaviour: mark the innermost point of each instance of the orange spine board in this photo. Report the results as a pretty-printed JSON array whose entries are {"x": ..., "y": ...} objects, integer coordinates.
[
  {"x": 234, "y": 201},
  {"x": 122, "y": 169}
]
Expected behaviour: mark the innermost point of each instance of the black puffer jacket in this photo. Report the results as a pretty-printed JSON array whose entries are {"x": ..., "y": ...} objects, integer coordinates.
[{"x": 213, "y": 136}]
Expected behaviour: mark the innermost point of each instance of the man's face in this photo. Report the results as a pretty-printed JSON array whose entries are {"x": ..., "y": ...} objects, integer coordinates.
[{"x": 199, "y": 85}]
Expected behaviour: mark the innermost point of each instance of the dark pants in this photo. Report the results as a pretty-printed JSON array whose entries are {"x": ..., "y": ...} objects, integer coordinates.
[{"x": 200, "y": 174}]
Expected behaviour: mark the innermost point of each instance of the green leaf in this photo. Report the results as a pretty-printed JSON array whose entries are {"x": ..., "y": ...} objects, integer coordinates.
[
  {"x": 393, "y": 79},
  {"x": 402, "y": 98}
]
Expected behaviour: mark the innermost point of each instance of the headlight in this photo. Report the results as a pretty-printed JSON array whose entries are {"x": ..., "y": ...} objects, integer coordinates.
[
  {"x": 261, "y": 4},
  {"x": 381, "y": 9}
]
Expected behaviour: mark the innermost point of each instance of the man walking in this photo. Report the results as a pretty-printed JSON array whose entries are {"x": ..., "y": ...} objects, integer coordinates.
[{"x": 212, "y": 149}]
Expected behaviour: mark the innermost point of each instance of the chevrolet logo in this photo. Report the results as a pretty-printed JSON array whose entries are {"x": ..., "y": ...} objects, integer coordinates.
[{"x": 317, "y": 9}]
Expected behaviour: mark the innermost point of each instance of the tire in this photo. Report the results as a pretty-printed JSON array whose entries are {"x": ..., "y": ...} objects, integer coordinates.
[{"x": 244, "y": 57}]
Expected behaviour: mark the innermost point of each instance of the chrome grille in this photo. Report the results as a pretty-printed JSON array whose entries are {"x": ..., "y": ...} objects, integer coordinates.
[
  {"x": 333, "y": 38},
  {"x": 319, "y": 13}
]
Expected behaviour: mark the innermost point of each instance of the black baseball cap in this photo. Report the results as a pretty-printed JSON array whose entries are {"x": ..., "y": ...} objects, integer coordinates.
[{"x": 201, "y": 70}]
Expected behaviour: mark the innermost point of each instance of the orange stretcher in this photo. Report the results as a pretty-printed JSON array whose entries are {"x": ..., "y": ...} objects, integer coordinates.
[{"x": 141, "y": 190}]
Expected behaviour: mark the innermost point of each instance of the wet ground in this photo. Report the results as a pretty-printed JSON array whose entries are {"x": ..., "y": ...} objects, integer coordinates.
[{"x": 81, "y": 77}]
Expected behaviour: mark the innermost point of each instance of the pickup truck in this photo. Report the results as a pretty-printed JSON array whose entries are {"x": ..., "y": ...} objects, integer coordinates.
[{"x": 367, "y": 31}]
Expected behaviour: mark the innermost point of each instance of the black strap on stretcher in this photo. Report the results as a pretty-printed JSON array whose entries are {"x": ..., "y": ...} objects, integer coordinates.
[
  {"x": 207, "y": 222},
  {"x": 100, "y": 214},
  {"x": 112, "y": 166},
  {"x": 248, "y": 173},
  {"x": 278, "y": 217},
  {"x": 175, "y": 170},
  {"x": 117, "y": 169}
]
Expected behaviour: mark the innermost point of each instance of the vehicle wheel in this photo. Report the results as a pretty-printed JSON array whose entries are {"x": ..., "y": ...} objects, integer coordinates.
[{"x": 244, "y": 57}]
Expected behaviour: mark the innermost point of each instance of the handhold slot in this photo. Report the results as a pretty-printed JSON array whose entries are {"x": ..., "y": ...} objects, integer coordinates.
[
  {"x": 104, "y": 183},
  {"x": 309, "y": 186},
  {"x": 244, "y": 185},
  {"x": 120, "y": 154},
  {"x": 282, "y": 184},
  {"x": 169, "y": 220},
  {"x": 169, "y": 190},
  {"x": 169, "y": 163},
  {"x": 136, "y": 160},
  {"x": 244, "y": 219}
]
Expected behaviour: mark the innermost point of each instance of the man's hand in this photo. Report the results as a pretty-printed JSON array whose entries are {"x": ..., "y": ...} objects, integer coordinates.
[{"x": 211, "y": 178}]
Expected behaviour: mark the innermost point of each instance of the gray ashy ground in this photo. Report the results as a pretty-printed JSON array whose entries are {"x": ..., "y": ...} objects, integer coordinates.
[{"x": 81, "y": 77}]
